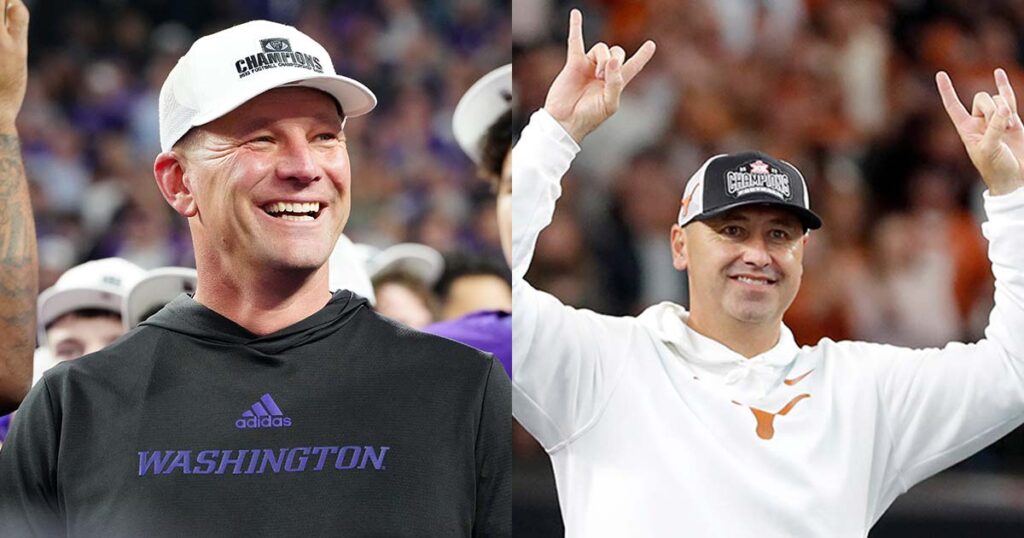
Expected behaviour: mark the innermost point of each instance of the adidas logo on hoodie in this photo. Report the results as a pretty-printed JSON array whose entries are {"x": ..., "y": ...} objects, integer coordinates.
[{"x": 263, "y": 414}]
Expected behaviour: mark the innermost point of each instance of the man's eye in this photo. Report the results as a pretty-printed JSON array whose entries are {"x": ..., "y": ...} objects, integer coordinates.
[
  {"x": 732, "y": 231},
  {"x": 261, "y": 139},
  {"x": 326, "y": 137},
  {"x": 781, "y": 235}
]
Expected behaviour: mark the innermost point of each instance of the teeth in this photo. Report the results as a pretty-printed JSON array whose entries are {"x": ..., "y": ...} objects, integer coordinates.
[
  {"x": 289, "y": 207},
  {"x": 298, "y": 218},
  {"x": 755, "y": 281}
]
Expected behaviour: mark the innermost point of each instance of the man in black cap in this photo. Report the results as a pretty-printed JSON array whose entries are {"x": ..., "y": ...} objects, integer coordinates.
[{"x": 711, "y": 421}]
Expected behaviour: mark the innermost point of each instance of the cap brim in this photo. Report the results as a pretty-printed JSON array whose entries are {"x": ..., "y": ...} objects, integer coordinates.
[
  {"x": 422, "y": 261},
  {"x": 809, "y": 219},
  {"x": 52, "y": 304},
  {"x": 483, "y": 103},
  {"x": 355, "y": 98},
  {"x": 160, "y": 287}
]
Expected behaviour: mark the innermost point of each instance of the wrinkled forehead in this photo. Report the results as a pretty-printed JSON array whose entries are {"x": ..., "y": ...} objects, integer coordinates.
[{"x": 281, "y": 103}]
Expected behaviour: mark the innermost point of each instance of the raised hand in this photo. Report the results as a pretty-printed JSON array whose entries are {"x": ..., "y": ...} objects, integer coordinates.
[
  {"x": 13, "y": 61},
  {"x": 992, "y": 132},
  {"x": 586, "y": 92},
  {"x": 19, "y": 271}
]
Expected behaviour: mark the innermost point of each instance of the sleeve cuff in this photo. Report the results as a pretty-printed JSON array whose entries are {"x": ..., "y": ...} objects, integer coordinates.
[
  {"x": 553, "y": 131},
  {"x": 1013, "y": 201}
]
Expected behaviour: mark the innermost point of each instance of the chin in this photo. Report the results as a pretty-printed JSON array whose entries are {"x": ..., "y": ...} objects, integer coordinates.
[
  {"x": 284, "y": 262},
  {"x": 753, "y": 313}
]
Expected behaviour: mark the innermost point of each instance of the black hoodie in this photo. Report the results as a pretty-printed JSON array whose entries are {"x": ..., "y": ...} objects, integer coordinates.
[{"x": 343, "y": 424}]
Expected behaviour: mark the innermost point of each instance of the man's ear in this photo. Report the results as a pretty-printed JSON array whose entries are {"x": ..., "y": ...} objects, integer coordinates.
[
  {"x": 679, "y": 256},
  {"x": 169, "y": 170}
]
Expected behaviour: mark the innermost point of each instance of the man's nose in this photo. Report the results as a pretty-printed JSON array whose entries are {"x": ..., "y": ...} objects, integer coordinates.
[
  {"x": 755, "y": 252},
  {"x": 297, "y": 162}
]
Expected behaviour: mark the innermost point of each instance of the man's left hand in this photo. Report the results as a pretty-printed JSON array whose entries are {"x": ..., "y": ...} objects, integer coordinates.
[{"x": 992, "y": 132}]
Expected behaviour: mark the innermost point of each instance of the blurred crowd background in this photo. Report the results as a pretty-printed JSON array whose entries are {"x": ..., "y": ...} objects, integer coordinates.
[
  {"x": 843, "y": 89},
  {"x": 89, "y": 123}
]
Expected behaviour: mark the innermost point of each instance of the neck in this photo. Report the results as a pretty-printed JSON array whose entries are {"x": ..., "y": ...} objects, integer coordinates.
[
  {"x": 747, "y": 339},
  {"x": 263, "y": 301}
]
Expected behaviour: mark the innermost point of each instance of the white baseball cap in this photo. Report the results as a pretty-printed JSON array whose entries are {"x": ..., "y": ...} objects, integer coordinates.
[
  {"x": 154, "y": 290},
  {"x": 484, "y": 102},
  {"x": 225, "y": 69},
  {"x": 101, "y": 284},
  {"x": 421, "y": 261}
]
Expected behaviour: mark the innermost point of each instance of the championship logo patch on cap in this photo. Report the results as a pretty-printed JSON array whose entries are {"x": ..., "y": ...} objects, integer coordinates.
[
  {"x": 224, "y": 70},
  {"x": 276, "y": 44},
  {"x": 757, "y": 176},
  {"x": 277, "y": 52},
  {"x": 728, "y": 181}
]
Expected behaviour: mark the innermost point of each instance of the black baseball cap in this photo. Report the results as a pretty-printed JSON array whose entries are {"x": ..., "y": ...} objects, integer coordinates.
[{"x": 732, "y": 180}]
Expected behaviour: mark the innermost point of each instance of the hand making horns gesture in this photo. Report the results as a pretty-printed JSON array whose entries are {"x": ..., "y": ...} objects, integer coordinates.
[
  {"x": 586, "y": 92},
  {"x": 992, "y": 132}
]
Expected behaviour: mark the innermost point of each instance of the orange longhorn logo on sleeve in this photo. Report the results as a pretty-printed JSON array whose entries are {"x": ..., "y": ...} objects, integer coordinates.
[{"x": 766, "y": 419}]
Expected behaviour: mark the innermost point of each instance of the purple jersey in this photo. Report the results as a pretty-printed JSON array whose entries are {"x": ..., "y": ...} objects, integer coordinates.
[
  {"x": 5, "y": 425},
  {"x": 487, "y": 330}
]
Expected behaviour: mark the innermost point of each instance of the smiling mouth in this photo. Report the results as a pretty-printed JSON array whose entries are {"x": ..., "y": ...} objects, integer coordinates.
[
  {"x": 755, "y": 281},
  {"x": 293, "y": 211}
]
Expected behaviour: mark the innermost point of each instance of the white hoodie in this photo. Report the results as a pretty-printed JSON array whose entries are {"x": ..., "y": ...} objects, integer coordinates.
[{"x": 655, "y": 430}]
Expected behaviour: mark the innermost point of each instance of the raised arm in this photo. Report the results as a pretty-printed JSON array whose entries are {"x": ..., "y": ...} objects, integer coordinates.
[
  {"x": 992, "y": 132},
  {"x": 18, "y": 266},
  {"x": 586, "y": 92},
  {"x": 942, "y": 405},
  {"x": 562, "y": 365}
]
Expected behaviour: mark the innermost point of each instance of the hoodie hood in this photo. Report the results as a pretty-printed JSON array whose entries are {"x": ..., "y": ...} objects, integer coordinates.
[
  {"x": 743, "y": 380},
  {"x": 185, "y": 316}
]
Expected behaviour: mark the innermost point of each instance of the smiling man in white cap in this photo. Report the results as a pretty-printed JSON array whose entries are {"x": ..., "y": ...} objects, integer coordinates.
[{"x": 264, "y": 404}]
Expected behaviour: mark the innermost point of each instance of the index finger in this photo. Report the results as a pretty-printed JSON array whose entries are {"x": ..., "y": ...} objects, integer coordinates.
[
  {"x": 954, "y": 107},
  {"x": 635, "y": 64},
  {"x": 1005, "y": 89},
  {"x": 576, "y": 33}
]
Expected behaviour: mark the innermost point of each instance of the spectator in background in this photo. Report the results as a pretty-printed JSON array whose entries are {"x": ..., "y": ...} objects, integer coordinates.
[
  {"x": 472, "y": 283},
  {"x": 404, "y": 296},
  {"x": 402, "y": 277},
  {"x": 81, "y": 313},
  {"x": 476, "y": 305}
]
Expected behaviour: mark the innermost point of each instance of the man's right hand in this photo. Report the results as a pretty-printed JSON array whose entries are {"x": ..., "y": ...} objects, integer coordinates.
[
  {"x": 13, "y": 62},
  {"x": 586, "y": 92}
]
